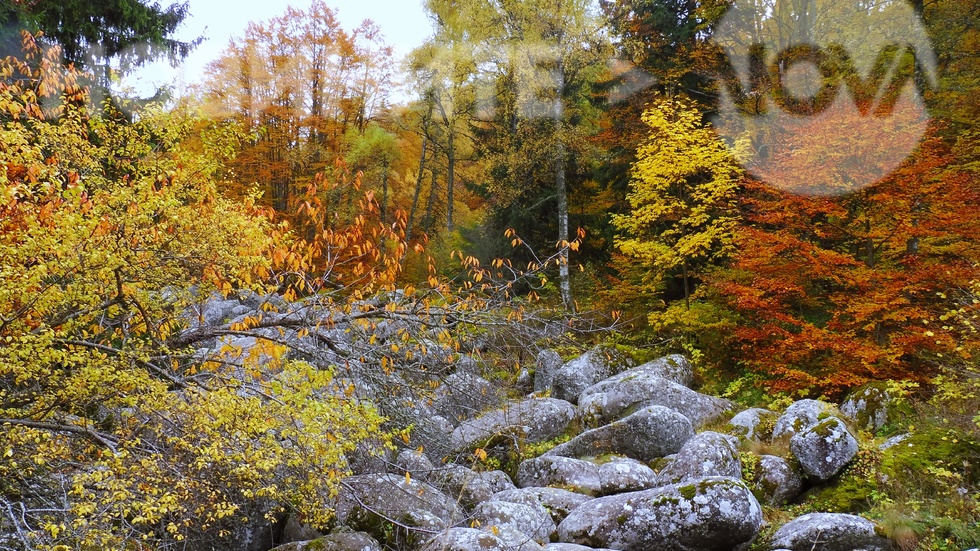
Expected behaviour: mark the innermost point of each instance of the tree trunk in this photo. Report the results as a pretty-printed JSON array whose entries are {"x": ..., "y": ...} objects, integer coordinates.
[
  {"x": 432, "y": 200},
  {"x": 450, "y": 177},
  {"x": 564, "y": 277}
]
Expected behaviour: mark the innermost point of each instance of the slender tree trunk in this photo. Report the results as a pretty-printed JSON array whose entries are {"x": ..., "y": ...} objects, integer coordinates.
[
  {"x": 432, "y": 200},
  {"x": 563, "y": 272},
  {"x": 418, "y": 191},
  {"x": 450, "y": 178},
  {"x": 564, "y": 278}
]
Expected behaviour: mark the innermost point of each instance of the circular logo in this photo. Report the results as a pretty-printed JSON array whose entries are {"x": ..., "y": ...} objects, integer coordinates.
[{"x": 823, "y": 96}]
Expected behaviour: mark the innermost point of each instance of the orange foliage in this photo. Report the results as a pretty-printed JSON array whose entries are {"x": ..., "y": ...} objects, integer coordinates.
[{"x": 831, "y": 292}]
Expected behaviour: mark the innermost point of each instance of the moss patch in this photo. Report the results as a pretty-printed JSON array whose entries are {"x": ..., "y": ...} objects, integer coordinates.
[{"x": 688, "y": 492}]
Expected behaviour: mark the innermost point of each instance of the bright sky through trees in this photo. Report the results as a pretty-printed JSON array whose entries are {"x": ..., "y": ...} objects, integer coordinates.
[{"x": 403, "y": 22}]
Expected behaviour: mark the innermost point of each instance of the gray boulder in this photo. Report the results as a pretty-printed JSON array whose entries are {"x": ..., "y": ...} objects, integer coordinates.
[
  {"x": 214, "y": 311},
  {"x": 548, "y": 362},
  {"x": 623, "y": 474},
  {"x": 651, "y": 432},
  {"x": 515, "y": 540},
  {"x": 776, "y": 481},
  {"x": 533, "y": 419},
  {"x": 532, "y": 520},
  {"x": 750, "y": 424},
  {"x": 558, "y": 501},
  {"x": 799, "y": 416},
  {"x": 610, "y": 398},
  {"x": 465, "y": 485},
  {"x": 463, "y": 395},
  {"x": 415, "y": 463},
  {"x": 341, "y": 541},
  {"x": 707, "y": 454},
  {"x": 564, "y": 472},
  {"x": 371, "y": 502},
  {"x": 714, "y": 514},
  {"x": 674, "y": 368},
  {"x": 464, "y": 539},
  {"x": 824, "y": 449},
  {"x": 586, "y": 370},
  {"x": 870, "y": 407},
  {"x": 829, "y": 532},
  {"x": 498, "y": 481},
  {"x": 296, "y": 531}
]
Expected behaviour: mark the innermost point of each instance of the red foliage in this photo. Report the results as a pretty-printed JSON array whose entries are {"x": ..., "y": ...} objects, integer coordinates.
[{"x": 831, "y": 292}]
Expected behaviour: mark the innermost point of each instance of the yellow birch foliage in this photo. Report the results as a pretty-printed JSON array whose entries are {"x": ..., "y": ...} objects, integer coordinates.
[
  {"x": 682, "y": 193},
  {"x": 683, "y": 209}
]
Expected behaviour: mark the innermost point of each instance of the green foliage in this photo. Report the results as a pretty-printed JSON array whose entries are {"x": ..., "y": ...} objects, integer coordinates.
[{"x": 129, "y": 31}]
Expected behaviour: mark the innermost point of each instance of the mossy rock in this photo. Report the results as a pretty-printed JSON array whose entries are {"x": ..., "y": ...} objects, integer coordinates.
[
  {"x": 875, "y": 407},
  {"x": 848, "y": 494},
  {"x": 910, "y": 460}
]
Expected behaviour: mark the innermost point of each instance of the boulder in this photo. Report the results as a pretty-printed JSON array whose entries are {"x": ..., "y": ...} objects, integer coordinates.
[
  {"x": 370, "y": 457},
  {"x": 370, "y": 502},
  {"x": 498, "y": 481},
  {"x": 415, "y": 463},
  {"x": 707, "y": 454},
  {"x": 564, "y": 472},
  {"x": 558, "y": 501},
  {"x": 713, "y": 514},
  {"x": 751, "y": 423},
  {"x": 824, "y": 449},
  {"x": 534, "y": 419},
  {"x": 525, "y": 381},
  {"x": 464, "y": 539},
  {"x": 829, "y": 532},
  {"x": 531, "y": 520},
  {"x": 579, "y": 374},
  {"x": 515, "y": 540},
  {"x": 776, "y": 481},
  {"x": 610, "y": 398},
  {"x": 465, "y": 485},
  {"x": 623, "y": 474},
  {"x": 674, "y": 368},
  {"x": 548, "y": 362},
  {"x": 214, "y": 311},
  {"x": 870, "y": 407},
  {"x": 799, "y": 416},
  {"x": 651, "y": 432},
  {"x": 463, "y": 395},
  {"x": 340, "y": 541},
  {"x": 295, "y": 531}
]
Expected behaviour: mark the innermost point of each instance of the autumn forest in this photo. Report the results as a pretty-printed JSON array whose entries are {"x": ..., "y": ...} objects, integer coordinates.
[{"x": 218, "y": 304}]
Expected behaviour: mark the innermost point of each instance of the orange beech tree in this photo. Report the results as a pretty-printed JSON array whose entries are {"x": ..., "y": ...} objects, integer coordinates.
[{"x": 826, "y": 293}]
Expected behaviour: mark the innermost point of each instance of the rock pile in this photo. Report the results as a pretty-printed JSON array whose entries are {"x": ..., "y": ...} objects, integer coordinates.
[{"x": 628, "y": 471}]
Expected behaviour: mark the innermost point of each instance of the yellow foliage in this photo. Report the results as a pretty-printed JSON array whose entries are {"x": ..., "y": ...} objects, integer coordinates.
[
  {"x": 112, "y": 436},
  {"x": 683, "y": 191}
]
